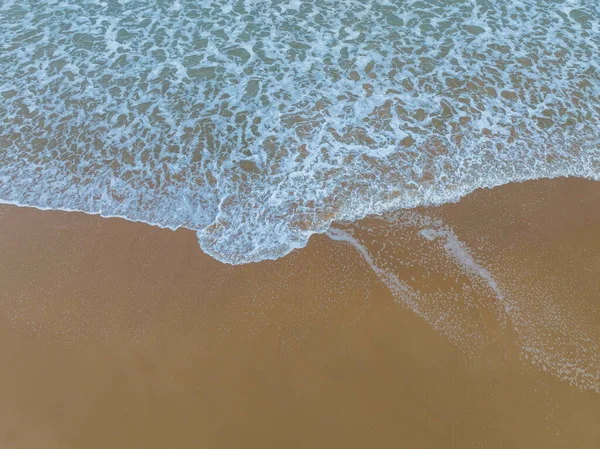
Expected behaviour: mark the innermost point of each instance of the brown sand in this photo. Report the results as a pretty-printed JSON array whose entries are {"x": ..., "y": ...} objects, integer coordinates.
[{"x": 121, "y": 335}]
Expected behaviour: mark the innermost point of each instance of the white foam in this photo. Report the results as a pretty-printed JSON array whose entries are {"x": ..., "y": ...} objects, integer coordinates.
[
  {"x": 458, "y": 251},
  {"x": 551, "y": 329},
  {"x": 257, "y": 124}
]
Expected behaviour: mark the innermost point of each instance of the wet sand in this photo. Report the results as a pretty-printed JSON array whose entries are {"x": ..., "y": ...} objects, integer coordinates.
[{"x": 474, "y": 324}]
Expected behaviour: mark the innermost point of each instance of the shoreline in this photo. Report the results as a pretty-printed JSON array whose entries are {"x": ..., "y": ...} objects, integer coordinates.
[{"x": 385, "y": 212}]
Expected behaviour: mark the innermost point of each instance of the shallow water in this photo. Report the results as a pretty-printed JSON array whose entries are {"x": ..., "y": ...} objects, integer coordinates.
[
  {"x": 259, "y": 123},
  {"x": 475, "y": 294}
]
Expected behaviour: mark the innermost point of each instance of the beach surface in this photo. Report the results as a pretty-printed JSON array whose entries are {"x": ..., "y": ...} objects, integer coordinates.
[{"x": 474, "y": 324}]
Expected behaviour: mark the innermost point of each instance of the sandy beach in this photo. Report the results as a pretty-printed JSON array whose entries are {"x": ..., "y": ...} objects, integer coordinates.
[
  {"x": 475, "y": 324},
  {"x": 300, "y": 224}
]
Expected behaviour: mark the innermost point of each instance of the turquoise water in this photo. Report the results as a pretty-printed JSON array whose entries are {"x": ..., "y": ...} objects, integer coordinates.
[{"x": 258, "y": 123}]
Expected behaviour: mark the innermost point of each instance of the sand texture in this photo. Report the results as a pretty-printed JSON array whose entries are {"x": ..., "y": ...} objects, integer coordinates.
[{"x": 475, "y": 324}]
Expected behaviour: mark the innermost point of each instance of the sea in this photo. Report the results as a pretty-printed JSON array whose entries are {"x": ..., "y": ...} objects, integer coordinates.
[{"x": 258, "y": 123}]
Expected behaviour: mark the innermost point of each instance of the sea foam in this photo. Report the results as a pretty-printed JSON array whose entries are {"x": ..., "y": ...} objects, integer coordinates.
[{"x": 258, "y": 123}]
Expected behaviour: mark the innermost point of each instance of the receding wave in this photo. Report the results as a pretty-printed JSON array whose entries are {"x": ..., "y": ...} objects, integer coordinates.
[{"x": 258, "y": 123}]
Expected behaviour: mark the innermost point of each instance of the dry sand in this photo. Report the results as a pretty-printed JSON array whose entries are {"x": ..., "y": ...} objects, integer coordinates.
[{"x": 474, "y": 324}]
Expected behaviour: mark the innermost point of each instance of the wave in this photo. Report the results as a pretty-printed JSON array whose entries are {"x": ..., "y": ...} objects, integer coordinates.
[{"x": 258, "y": 123}]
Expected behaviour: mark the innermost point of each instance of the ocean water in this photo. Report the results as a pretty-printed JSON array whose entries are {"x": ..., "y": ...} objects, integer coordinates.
[{"x": 257, "y": 123}]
